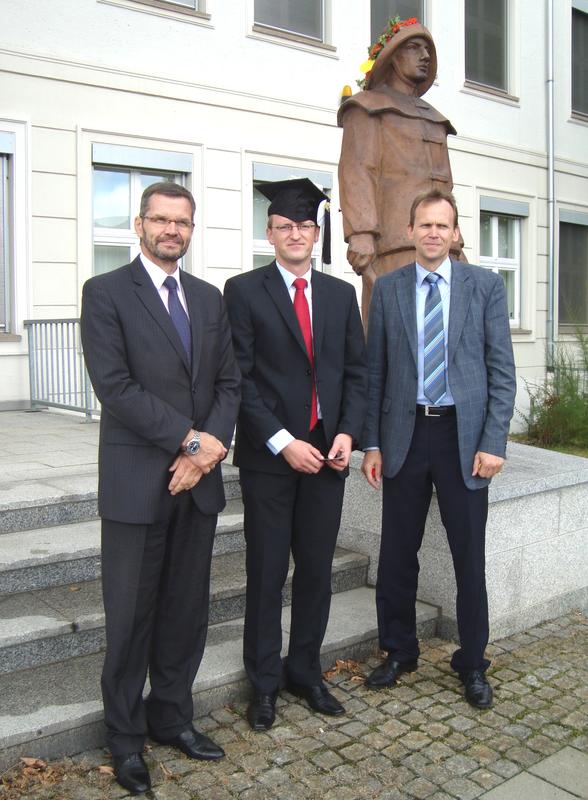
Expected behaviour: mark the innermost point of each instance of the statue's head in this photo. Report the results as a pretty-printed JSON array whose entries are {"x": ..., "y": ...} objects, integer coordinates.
[{"x": 410, "y": 55}]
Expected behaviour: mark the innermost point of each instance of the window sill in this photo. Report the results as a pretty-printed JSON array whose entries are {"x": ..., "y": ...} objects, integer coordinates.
[
  {"x": 10, "y": 337},
  {"x": 160, "y": 8},
  {"x": 578, "y": 116},
  {"x": 490, "y": 93},
  {"x": 520, "y": 331},
  {"x": 269, "y": 34}
]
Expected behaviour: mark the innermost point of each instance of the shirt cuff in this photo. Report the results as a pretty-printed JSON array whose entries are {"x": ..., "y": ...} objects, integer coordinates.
[
  {"x": 279, "y": 440},
  {"x": 369, "y": 449}
]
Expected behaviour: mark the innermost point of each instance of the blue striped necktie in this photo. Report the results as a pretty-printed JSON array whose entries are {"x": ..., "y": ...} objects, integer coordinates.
[
  {"x": 178, "y": 315},
  {"x": 434, "y": 367}
]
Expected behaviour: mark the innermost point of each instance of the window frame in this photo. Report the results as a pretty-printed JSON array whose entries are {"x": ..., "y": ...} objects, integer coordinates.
[
  {"x": 505, "y": 92},
  {"x": 275, "y": 34},
  {"x": 577, "y": 7},
  {"x": 285, "y": 170},
  {"x": 136, "y": 161},
  {"x": 569, "y": 217},
  {"x": 166, "y": 8}
]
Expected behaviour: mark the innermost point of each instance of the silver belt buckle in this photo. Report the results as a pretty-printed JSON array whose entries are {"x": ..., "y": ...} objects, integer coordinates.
[{"x": 428, "y": 412}]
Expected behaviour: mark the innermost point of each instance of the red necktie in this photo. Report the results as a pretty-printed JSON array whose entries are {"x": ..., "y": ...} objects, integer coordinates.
[{"x": 303, "y": 314}]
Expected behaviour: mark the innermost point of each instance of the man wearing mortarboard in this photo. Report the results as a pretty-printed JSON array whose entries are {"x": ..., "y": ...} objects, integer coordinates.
[{"x": 299, "y": 344}]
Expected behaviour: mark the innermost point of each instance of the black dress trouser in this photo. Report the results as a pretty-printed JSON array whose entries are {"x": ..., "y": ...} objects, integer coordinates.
[
  {"x": 301, "y": 514},
  {"x": 433, "y": 459},
  {"x": 155, "y": 581}
]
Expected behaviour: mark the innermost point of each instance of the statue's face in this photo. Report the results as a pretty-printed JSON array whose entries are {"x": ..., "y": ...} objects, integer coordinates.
[{"x": 411, "y": 60}]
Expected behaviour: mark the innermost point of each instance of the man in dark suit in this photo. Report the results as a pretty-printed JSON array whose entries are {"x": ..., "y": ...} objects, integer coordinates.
[
  {"x": 299, "y": 343},
  {"x": 441, "y": 395},
  {"x": 158, "y": 349}
]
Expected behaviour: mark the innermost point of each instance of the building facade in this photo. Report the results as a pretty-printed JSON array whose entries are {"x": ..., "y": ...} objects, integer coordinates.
[{"x": 99, "y": 98}]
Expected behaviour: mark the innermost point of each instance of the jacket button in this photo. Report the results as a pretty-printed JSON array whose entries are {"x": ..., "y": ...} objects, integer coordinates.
[
  {"x": 307, "y": 405},
  {"x": 309, "y": 372}
]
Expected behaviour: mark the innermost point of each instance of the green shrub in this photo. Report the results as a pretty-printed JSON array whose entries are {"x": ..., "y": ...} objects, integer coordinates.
[{"x": 558, "y": 412}]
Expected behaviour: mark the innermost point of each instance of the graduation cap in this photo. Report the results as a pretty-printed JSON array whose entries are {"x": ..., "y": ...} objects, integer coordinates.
[{"x": 298, "y": 200}]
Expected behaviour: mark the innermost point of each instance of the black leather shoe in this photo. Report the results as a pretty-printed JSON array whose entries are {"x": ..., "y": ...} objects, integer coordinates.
[
  {"x": 318, "y": 698},
  {"x": 387, "y": 673},
  {"x": 261, "y": 711},
  {"x": 131, "y": 772},
  {"x": 478, "y": 691},
  {"x": 194, "y": 745}
]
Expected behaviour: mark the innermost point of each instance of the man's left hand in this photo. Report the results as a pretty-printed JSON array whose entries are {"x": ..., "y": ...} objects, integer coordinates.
[
  {"x": 486, "y": 465},
  {"x": 186, "y": 474},
  {"x": 342, "y": 444}
]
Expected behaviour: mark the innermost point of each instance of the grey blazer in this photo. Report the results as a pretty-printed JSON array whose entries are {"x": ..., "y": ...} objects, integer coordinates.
[
  {"x": 481, "y": 370},
  {"x": 151, "y": 396}
]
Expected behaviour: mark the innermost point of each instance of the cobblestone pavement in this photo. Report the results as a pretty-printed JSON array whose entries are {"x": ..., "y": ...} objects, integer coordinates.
[{"x": 419, "y": 739}]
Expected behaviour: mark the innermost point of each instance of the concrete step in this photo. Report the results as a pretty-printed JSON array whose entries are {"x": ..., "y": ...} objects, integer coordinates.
[
  {"x": 63, "y": 554},
  {"x": 55, "y": 709},
  {"x": 58, "y": 623},
  {"x": 65, "y": 497}
]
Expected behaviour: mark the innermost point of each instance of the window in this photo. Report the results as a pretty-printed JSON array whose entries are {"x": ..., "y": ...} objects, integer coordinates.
[
  {"x": 579, "y": 61},
  {"x": 263, "y": 252},
  {"x": 6, "y": 153},
  {"x": 302, "y": 17},
  {"x": 573, "y": 269},
  {"x": 117, "y": 185},
  {"x": 383, "y": 10},
  {"x": 500, "y": 251},
  {"x": 486, "y": 42}
]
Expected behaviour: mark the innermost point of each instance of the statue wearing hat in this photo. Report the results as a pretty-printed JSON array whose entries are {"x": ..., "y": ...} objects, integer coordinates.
[{"x": 394, "y": 147}]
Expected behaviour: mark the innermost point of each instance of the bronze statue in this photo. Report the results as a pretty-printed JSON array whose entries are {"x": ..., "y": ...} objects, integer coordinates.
[{"x": 394, "y": 147}]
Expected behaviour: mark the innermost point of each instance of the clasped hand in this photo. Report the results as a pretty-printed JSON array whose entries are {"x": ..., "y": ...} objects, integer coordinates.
[{"x": 187, "y": 470}]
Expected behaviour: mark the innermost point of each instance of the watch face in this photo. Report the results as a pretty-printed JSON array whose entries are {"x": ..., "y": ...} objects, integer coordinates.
[{"x": 193, "y": 447}]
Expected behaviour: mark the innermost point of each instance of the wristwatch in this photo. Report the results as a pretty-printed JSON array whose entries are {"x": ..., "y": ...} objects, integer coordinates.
[{"x": 193, "y": 445}]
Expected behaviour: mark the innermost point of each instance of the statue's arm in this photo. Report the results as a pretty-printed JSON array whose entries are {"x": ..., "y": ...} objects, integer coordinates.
[{"x": 358, "y": 183}]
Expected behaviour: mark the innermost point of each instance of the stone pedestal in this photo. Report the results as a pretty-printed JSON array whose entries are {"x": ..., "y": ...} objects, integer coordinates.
[{"x": 536, "y": 541}]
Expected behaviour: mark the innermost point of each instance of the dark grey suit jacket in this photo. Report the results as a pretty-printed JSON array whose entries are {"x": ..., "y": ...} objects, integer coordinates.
[
  {"x": 276, "y": 374},
  {"x": 150, "y": 395},
  {"x": 481, "y": 370}
]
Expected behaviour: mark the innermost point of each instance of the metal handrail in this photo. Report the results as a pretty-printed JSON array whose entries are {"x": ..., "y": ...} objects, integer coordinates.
[{"x": 57, "y": 372}]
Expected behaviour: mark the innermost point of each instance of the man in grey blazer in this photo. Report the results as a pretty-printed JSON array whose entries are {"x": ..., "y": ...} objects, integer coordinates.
[
  {"x": 158, "y": 349},
  {"x": 441, "y": 395}
]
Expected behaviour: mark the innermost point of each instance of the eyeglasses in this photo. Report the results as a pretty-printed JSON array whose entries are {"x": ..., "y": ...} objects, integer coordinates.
[
  {"x": 303, "y": 227},
  {"x": 162, "y": 222}
]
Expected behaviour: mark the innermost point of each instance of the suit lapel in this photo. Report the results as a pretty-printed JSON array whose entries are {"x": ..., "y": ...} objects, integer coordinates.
[
  {"x": 274, "y": 283},
  {"x": 148, "y": 295},
  {"x": 320, "y": 303},
  {"x": 196, "y": 322},
  {"x": 406, "y": 295},
  {"x": 461, "y": 295}
]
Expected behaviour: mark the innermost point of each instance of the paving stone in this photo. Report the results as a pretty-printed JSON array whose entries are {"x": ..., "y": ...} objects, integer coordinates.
[
  {"x": 462, "y": 788},
  {"x": 486, "y": 779},
  {"x": 420, "y": 788}
]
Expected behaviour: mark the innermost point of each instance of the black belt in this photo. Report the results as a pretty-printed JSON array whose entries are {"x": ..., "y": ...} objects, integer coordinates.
[{"x": 436, "y": 411}]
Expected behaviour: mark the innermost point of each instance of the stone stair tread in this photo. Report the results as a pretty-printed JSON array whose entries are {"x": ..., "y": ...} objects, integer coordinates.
[
  {"x": 48, "y": 700},
  {"x": 78, "y": 540},
  {"x": 58, "y": 610}
]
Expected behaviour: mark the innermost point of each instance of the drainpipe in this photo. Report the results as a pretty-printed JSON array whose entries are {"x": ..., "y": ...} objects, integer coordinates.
[{"x": 550, "y": 332}]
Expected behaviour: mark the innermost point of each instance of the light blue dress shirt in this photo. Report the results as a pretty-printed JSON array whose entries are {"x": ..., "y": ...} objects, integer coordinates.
[{"x": 422, "y": 290}]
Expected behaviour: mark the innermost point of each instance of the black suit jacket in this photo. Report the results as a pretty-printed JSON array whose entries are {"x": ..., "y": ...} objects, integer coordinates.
[
  {"x": 275, "y": 370},
  {"x": 150, "y": 395}
]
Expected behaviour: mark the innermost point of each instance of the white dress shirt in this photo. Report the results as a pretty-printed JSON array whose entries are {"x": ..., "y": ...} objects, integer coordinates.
[
  {"x": 283, "y": 437},
  {"x": 422, "y": 290},
  {"x": 158, "y": 275}
]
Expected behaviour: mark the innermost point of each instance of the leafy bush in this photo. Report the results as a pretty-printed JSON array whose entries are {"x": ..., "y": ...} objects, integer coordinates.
[{"x": 558, "y": 412}]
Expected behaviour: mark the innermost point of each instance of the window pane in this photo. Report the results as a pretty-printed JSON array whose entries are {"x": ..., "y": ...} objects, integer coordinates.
[
  {"x": 107, "y": 257},
  {"x": 506, "y": 237},
  {"x": 509, "y": 277},
  {"x": 147, "y": 178},
  {"x": 188, "y": 3},
  {"x": 486, "y": 235},
  {"x": 260, "y": 205},
  {"x": 579, "y": 61},
  {"x": 485, "y": 42},
  {"x": 383, "y": 10},
  {"x": 573, "y": 274},
  {"x": 296, "y": 16},
  {"x": 112, "y": 197}
]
